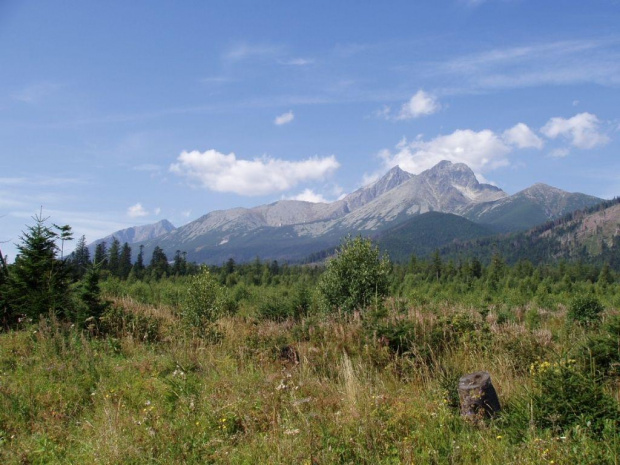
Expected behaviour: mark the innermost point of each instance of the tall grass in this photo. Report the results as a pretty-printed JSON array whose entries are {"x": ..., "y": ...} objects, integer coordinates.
[{"x": 349, "y": 395}]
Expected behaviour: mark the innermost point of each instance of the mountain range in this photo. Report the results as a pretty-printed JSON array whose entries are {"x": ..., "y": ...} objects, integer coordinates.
[{"x": 290, "y": 230}]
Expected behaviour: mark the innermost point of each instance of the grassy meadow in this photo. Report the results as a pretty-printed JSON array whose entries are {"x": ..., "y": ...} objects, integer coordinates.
[{"x": 277, "y": 379}]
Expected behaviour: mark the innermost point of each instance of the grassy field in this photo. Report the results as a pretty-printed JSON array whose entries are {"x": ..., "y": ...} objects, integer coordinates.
[{"x": 319, "y": 389}]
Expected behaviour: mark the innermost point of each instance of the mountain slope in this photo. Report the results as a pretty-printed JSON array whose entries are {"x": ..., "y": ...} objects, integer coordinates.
[
  {"x": 592, "y": 235},
  {"x": 423, "y": 234},
  {"x": 529, "y": 207}
]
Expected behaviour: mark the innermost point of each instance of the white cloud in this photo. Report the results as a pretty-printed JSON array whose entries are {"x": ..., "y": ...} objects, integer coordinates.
[
  {"x": 137, "y": 211},
  {"x": 559, "y": 153},
  {"x": 482, "y": 151},
  {"x": 421, "y": 104},
  {"x": 157, "y": 211},
  {"x": 522, "y": 136},
  {"x": 308, "y": 195},
  {"x": 583, "y": 130},
  {"x": 225, "y": 173},
  {"x": 284, "y": 118}
]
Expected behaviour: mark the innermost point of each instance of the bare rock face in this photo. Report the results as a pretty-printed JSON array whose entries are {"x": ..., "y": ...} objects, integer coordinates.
[{"x": 478, "y": 397}]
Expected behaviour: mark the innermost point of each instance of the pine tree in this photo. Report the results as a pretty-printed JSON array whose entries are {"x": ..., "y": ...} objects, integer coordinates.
[
  {"x": 179, "y": 266},
  {"x": 39, "y": 280},
  {"x": 80, "y": 259},
  {"x": 159, "y": 263},
  {"x": 114, "y": 257},
  {"x": 90, "y": 294},
  {"x": 124, "y": 263},
  {"x": 101, "y": 256},
  {"x": 65, "y": 235},
  {"x": 138, "y": 267}
]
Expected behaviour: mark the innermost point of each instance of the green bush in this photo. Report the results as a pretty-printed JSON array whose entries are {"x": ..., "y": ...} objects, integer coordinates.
[
  {"x": 585, "y": 308},
  {"x": 355, "y": 277},
  {"x": 204, "y": 301}
]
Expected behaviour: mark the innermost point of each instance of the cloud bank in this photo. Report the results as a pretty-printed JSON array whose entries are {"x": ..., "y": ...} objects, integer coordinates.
[
  {"x": 226, "y": 173},
  {"x": 482, "y": 151}
]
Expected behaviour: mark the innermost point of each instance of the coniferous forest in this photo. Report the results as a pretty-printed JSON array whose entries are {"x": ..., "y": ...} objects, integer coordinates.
[{"x": 353, "y": 360}]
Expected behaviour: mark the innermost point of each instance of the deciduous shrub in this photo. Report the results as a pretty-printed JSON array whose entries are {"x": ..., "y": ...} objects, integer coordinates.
[
  {"x": 204, "y": 301},
  {"x": 355, "y": 277},
  {"x": 585, "y": 308}
]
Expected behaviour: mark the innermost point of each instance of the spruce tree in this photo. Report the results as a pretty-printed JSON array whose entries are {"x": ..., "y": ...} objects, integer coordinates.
[
  {"x": 80, "y": 259},
  {"x": 101, "y": 256},
  {"x": 159, "y": 263},
  {"x": 39, "y": 280},
  {"x": 90, "y": 294},
  {"x": 114, "y": 257},
  {"x": 138, "y": 267},
  {"x": 124, "y": 264}
]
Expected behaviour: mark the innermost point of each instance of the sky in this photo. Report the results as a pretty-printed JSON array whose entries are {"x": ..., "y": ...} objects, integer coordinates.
[{"x": 115, "y": 114}]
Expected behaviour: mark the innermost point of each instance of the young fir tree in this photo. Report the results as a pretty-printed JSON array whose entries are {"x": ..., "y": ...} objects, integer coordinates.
[
  {"x": 80, "y": 259},
  {"x": 138, "y": 267},
  {"x": 65, "y": 235},
  {"x": 101, "y": 256},
  {"x": 39, "y": 281},
  {"x": 114, "y": 257},
  {"x": 159, "y": 263},
  {"x": 124, "y": 262},
  {"x": 90, "y": 295}
]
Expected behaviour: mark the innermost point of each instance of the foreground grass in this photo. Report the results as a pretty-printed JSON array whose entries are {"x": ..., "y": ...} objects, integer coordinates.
[{"x": 320, "y": 390}]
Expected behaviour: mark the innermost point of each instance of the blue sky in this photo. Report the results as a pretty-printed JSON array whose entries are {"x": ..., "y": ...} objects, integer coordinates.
[{"x": 114, "y": 114}]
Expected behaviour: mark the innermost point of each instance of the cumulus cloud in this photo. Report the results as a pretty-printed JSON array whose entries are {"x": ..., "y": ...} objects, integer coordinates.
[
  {"x": 583, "y": 130},
  {"x": 308, "y": 195},
  {"x": 481, "y": 151},
  {"x": 225, "y": 173},
  {"x": 522, "y": 136},
  {"x": 421, "y": 104},
  {"x": 284, "y": 118},
  {"x": 137, "y": 211}
]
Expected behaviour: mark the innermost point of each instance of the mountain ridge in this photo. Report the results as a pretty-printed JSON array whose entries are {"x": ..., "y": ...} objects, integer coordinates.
[{"x": 293, "y": 229}]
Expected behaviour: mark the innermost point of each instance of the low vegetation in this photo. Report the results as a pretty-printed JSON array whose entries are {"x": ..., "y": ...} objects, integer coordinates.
[{"x": 260, "y": 363}]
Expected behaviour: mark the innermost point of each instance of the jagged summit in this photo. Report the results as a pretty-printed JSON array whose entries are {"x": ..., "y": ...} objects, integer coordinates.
[{"x": 138, "y": 233}]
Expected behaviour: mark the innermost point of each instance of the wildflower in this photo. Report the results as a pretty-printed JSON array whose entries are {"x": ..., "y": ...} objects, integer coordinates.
[{"x": 499, "y": 436}]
